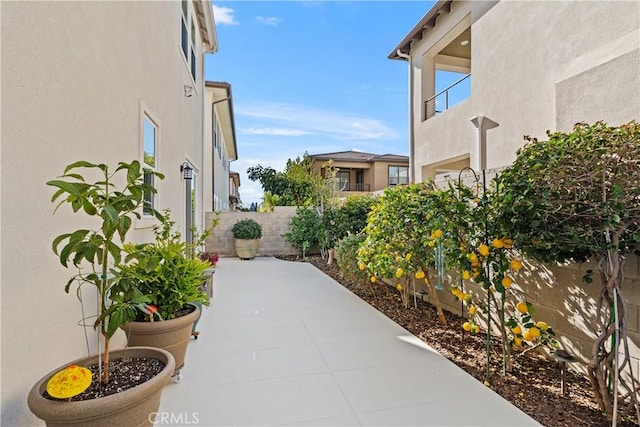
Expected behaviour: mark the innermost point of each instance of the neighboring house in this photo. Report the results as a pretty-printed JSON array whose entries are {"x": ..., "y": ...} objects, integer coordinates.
[
  {"x": 358, "y": 172},
  {"x": 532, "y": 66},
  {"x": 97, "y": 81},
  {"x": 235, "y": 202},
  {"x": 220, "y": 144}
]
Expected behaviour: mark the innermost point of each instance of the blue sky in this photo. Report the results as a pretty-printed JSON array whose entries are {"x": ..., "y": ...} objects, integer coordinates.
[{"x": 313, "y": 76}]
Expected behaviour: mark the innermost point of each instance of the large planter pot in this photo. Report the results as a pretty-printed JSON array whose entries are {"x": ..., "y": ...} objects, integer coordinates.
[
  {"x": 172, "y": 335},
  {"x": 133, "y": 407},
  {"x": 247, "y": 248}
]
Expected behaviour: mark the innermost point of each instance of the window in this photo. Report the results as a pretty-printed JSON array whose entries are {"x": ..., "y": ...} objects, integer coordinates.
[
  {"x": 342, "y": 180},
  {"x": 188, "y": 38},
  {"x": 150, "y": 156},
  {"x": 398, "y": 175}
]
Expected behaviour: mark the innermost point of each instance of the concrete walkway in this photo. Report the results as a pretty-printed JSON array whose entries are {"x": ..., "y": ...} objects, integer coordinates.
[{"x": 284, "y": 344}]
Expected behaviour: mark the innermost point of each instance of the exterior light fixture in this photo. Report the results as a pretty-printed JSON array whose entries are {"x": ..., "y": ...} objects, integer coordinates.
[
  {"x": 187, "y": 171},
  {"x": 188, "y": 91},
  {"x": 464, "y": 42}
]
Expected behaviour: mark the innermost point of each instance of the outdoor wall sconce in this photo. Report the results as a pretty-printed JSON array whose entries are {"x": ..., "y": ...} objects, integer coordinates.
[
  {"x": 188, "y": 91},
  {"x": 187, "y": 171}
]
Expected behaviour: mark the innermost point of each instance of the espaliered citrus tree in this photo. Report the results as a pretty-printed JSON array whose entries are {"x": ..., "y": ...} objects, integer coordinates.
[
  {"x": 577, "y": 196},
  {"x": 397, "y": 245},
  {"x": 476, "y": 247}
]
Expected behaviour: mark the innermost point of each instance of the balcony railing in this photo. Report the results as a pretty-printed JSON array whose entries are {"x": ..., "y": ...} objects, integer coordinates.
[
  {"x": 349, "y": 186},
  {"x": 432, "y": 105}
]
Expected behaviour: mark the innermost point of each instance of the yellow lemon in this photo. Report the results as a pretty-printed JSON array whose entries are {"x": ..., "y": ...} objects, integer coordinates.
[
  {"x": 522, "y": 307},
  {"x": 472, "y": 257},
  {"x": 466, "y": 275},
  {"x": 516, "y": 330},
  {"x": 483, "y": 250},
  {"x": 542, "y": 325},
  {"x": 361, "y": 266},
  {"x": 507, "y": 281},
  {"x": 467, "y": 297},
  {"x": 472, "y": 310},
  {"x": 399, "y": 287},
  {"x": 373, "y": 279},
  {"x": 398, "y": 258},
  {"x": 517, "y": 341},
  {"x": 467, "y": 326},
  {"x": 408, "y": 257},
  {"x": 497, "y": 243},
  {"x": 515, "y": 264},
  {"x": 399, "y": 272},
  {"x": 527, "y": 336},
  {"x": 438, "y": 233},
  {"x": 534, "y": 332},
  {"x": 432, "y": 243},
  {"x": 475, "y": 329},
  {"x": 508, "y": 243},
  {"x": 419, "y": 274}
]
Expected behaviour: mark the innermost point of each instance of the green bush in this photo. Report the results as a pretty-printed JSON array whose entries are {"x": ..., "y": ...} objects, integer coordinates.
[
  {"x": 247, "y": 229},
  {"x": 347, "y": 258},
  {"x": 352, "y": 215},
  {"x": 305, "y": 227}
]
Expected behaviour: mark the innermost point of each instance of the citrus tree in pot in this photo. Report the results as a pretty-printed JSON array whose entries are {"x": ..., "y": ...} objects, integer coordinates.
[
  {"x": 104, "y": 394},
  {"x": 170, "y": 274},
  {"x": 247, "y": 233}
]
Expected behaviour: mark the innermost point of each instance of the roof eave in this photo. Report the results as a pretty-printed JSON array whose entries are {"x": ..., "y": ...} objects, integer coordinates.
[
  {"x": 204, "y": 12},
  {"x": 427, "y": 22},
  {"x": 229, "y": 100}
]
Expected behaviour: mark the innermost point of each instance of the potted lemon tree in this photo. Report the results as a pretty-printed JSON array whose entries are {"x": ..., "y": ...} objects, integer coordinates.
[
  {"x": 98, "y": 390},
  {"x": 247, "y": 233}
]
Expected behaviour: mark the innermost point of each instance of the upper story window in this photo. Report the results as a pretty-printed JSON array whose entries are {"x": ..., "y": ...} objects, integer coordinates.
[
  {"x": 150, "y": 157},
  {"x": 188, "y": 37},
  {"x": 398, "y": 175},
  {"x": 342, "y": 180}
]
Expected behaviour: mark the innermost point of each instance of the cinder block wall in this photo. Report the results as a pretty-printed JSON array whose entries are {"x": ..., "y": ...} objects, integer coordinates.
[{"x": 274, "y": 225}]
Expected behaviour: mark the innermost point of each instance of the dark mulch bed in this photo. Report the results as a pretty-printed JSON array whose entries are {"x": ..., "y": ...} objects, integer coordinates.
[{"x": 533, "y": 385}]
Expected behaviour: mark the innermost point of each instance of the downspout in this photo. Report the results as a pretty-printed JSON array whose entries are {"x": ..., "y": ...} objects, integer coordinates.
[{"x": 412, "y": 174}]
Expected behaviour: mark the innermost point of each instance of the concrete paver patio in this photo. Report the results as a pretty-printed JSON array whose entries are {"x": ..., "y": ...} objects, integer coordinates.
[{"x": 284, "y": 344}]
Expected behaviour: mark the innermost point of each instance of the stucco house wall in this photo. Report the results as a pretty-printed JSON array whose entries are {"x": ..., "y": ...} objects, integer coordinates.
[{"x": 77, "y": 79}]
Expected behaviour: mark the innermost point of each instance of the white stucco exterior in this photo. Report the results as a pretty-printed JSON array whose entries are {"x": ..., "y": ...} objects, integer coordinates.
[
  {"x": 535, "y": 66},
  {"x": 220, "y": 144},
  {"x": 78, "y": 79}
]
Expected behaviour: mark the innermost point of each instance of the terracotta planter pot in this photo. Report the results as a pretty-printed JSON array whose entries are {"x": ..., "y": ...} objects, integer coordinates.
[
  {"x": 133, "y": 407},
  {"x": 247, "y": 248},
  {"x": 172, "y": 335}
]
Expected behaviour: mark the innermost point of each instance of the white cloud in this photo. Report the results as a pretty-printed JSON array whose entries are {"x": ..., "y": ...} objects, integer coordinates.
[
  {"x": 275, "y": 131},
  {"x": 224, "y": 15},
  {"x": 311, "y": 120},
  {"x": 271, "y": 20}
]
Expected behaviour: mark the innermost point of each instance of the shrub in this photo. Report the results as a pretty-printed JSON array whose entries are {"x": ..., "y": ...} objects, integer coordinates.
[
  {"x": 305, "y": 226},
  {"x": 247, "y": 229},
  {"x": 346, "y": 255}
]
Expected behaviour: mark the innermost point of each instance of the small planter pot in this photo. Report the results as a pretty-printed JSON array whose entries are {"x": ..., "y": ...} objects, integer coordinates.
[
  {"x": 171, "y": 335},
  {"x": 247, "y": 248},
  {"x": 135, "y": 407}
]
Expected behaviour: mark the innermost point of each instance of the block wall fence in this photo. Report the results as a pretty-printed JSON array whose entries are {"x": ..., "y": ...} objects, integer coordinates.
[{"x": 557, "y": 292}]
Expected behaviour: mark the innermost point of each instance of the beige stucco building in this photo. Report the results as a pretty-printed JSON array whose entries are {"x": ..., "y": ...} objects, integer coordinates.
[
  {"x": 103, "y": 82},
  {"x": 534, "y": 66},
  {"x": 220, "y": 146},
  {"x": 358, "y": 172},
  {"x": 529, "y": 67}
]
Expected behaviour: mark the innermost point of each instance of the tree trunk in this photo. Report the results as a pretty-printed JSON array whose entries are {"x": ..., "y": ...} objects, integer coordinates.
[{"x": 436, "y": 299}]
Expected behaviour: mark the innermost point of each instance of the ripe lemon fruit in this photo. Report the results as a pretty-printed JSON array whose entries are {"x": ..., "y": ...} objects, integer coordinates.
[
  {"x": 483, "y": 250},
  {"x": 466, "y": 275},
  {"x": 542, "y": 325},
  {"x": 516, "y": 330},
  {"x": 507, "y": 281},
  {"x": 515, "y": 264},
  {"x": 527, "y": 336},
  {"x": 399, "y": 272},
  {"x": 437, "y": 233},
  {"x": 473, "y": 310},
  {"x": 408, "y": 256},
  {"x": 497, "y": 243},
  {"x": 361, "y": 266},
  {"x": 373, "y": 279},
  {"x": 467, "y": 326},
  {"x": 517, "y": 342},
  {"x": 522, "y": 307},
  {"x": 398, "y": 258},
  {"x": 534, "y": 332},
  {"x": 508, "y": 243},
  {"x": 475, "y": 329},
  {"x": 472, "y": 257},
  {"x": 419, "y": 274},
  {"x": 399, "y": 287}
]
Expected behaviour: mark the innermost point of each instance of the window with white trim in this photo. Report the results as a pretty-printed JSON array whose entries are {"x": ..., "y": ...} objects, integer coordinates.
[
  {"x": 188, "y": 37},
  {"x": 149, "y": 162}
]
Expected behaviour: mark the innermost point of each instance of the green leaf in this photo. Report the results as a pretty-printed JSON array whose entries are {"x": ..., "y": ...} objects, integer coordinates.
[{"x": 79, "y": 164}]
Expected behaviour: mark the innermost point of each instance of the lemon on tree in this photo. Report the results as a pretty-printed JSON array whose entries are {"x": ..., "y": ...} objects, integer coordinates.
[
  {"x": 522, "y": 307},
  {"x": 483, "y": 250},
  {"x": 515, "y": 264},
  {"x": 507, "y": 281}
]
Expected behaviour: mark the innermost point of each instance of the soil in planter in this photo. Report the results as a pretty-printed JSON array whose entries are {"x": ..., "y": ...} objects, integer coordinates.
[
  {"x": 533, "y": 385},
  {"x": 141, "y": 317},
  {"x": 124, "y": 373}
]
